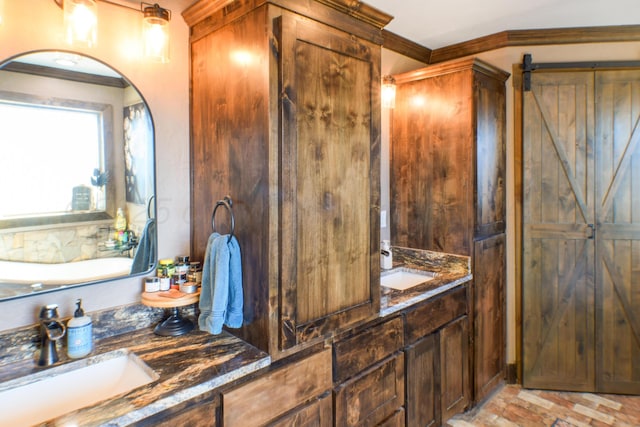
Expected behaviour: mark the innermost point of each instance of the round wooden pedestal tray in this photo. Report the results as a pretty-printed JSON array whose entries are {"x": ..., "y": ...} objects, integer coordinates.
[{"x": 175, "y": 324}]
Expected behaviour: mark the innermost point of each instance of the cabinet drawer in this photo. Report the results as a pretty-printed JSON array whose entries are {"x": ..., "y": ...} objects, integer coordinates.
[
  {"x": 318, "y": 413},
  {"x": 277, "y": 392},
  {"x": 373, "y": 396},
  {"x": 435, "y": 313},
  {"x": 356, "y": 353},
  {"x": 395, "y": 420}
]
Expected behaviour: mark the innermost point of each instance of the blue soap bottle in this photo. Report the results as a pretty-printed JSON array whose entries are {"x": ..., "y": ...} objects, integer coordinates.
[{"x": 79, "y": 333}]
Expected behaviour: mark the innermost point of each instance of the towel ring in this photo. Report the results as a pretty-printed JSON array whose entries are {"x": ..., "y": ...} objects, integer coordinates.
[
  {"x": 227, "y": 203},
  {"x": 149, "y": 206}
]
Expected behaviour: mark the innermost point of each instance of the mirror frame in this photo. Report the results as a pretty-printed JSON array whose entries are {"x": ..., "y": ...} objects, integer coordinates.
[{"x": 150, "y": 208}]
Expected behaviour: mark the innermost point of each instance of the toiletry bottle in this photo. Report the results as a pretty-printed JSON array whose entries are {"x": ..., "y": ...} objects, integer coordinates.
[
  {"x": 121, "y": 226},
  {"x": 79, "y": 333},
  {"x": 386, "y": 257}
]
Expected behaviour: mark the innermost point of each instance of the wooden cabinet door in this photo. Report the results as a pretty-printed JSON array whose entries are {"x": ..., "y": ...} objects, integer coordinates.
[
  {"x": 423, "y": 383},
  {"x": 329, "y": 180},
  {"x": 617, "y": 170},
  {"x": 489, "y": 346},
  {"x": 373, "y": 396},
  {"x": 454, "y": 368}
]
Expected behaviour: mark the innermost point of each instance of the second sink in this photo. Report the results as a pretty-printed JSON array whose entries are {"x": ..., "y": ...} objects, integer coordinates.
[{"x": 403, "y": 278}]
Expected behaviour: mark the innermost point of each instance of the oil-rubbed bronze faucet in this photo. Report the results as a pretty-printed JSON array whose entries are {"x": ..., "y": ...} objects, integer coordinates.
[{"x": 51, "y": 330}]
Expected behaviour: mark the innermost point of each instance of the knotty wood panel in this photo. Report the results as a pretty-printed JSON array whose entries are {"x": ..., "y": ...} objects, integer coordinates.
[
  {"x": 431, "y": 157},
  {"x": 229, "y": 152},
  {"x": 357, "y": 352},
  {"x": 373, "y": 396},
  {"x": 490, "y": 155},
  {"x": 618, "y": 243},
  {"x": 454, "y": 368},
  {"x": 318, "y": 413},
  {"x": 489, "y": 321},
  {"x": 558, "y": 275},
  {"x": 328, "y": 175},
  {"x": 432, "y": 315},
  {"x": 270, "y": 396},
  {"x": 423, "y": 383}
]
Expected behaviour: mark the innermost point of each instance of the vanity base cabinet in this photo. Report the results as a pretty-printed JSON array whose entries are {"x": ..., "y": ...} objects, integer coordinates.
[
  {"x": 437, "y": 364},
  {"x": 290, "y": 129}
]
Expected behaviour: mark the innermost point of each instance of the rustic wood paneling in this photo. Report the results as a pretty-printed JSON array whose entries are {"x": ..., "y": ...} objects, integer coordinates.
[
  {"x": 455, "y": 390},
  {"x": 270, "y": 396},
  {"x": 489, "y": 350},
  {"x": 423, "y": 384},
  {"x": 558, "y": 267},
  {"x": 373, "y": 396},
  {"x": 435, "y": 313},
  {"x": 318, "y": 413},
  {"x": 405, "y": 47},
  {"x": 355, "y": 353},
  {"x": 617, "y": 168},
  {"x": 328, "y": 162}
]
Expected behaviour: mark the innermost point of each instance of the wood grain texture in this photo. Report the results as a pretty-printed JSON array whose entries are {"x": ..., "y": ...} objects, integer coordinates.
[
  {"x": 294, "y": 138},
  {"x": 200, "y": 411},
  {"x": 547, "y": 36},
  {"x": 434, "y": 314},
  {"x": 489, "y": 349},
  {"x": 423, "y": 383},
  {"x": 253, "y": 404},
  {"x": 328, "y": 162},
  {"x": 318, "y": 413},
  {"x": 455, "y": 390},
  {"x": 355, "y": 353},
  {"x": 448, "y": 156},
  {"x": 558, "y": 262},
  {"x": 373, "y": 396},
  {"x": 617, "y": 211}
]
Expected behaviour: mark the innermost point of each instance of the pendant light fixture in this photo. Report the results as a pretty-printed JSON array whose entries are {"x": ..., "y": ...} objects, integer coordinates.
[
  {"x": 80, "y": 22},
  {"x": 156, "y": 32}
]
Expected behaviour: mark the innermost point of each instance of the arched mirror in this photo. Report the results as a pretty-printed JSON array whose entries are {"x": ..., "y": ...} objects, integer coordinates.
[{"x": 77, "y": 174}]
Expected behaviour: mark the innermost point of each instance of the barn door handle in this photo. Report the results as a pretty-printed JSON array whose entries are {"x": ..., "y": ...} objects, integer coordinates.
[{"x": 593, "y": 231}]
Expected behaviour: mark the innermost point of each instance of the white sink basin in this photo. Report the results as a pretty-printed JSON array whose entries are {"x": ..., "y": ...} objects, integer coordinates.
[
  {"x": 405, "y": 278},
  {"x": 61, "y": 389}
]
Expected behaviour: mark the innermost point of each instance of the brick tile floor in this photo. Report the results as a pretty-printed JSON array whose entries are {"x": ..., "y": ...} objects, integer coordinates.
[{"x": 513, "y": 406}]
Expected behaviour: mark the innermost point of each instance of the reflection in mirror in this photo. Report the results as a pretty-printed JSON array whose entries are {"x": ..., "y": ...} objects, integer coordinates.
[{"x": 77, "y": 175}]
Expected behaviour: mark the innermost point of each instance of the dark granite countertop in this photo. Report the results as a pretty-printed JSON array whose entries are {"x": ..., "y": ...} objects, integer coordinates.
[
  {"x": 450, "y": 271},
  {"x": 188, "y": 365},
  {"x": 198, "y": 362}
]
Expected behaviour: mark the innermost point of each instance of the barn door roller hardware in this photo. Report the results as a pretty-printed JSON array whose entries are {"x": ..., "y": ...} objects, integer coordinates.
[{"x": 528, "y": 66}]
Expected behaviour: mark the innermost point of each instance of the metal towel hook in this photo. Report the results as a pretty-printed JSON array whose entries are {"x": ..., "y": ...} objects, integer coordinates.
[{"x": 227, "y": 203}]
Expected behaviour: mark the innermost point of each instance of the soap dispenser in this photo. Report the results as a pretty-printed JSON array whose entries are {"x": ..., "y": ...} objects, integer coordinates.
[{"x": 79, "y": 333}]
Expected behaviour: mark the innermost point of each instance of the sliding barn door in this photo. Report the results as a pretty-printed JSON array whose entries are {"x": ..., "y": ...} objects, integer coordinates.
[
  {"x": 618, "y": 231},
  {"x": 558, "y": 244},
  {"x": 581, "y": 225}
]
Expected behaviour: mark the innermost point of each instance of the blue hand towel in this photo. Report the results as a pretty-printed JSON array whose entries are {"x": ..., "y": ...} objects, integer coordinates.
[
  {"x": 221, "y": 298},
  {"x": 146, "y": 251}
]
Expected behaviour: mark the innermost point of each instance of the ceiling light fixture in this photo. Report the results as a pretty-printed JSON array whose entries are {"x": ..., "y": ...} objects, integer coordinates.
[{"x": 388, "y": 92}]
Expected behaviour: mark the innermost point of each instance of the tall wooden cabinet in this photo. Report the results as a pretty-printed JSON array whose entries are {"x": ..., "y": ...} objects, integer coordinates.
[
  {"x": 448, "y": 188},
  {"x": 285, "y": 119}
]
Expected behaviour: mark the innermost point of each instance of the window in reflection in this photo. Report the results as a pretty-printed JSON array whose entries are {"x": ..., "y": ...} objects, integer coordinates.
[{"x": 65, "y": 145}]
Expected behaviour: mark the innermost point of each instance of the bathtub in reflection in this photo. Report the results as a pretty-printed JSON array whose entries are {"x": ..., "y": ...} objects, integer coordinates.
[{"x": 19, "y": 278}]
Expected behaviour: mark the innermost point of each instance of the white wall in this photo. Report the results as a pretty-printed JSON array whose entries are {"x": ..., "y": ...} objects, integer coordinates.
[
  {"x": 37, "y": 24},
  {"x": 505, "y": 59}
]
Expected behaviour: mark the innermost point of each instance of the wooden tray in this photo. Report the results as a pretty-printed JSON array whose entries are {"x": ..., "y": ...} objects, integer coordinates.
[{"x": 179, "y": 299}]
